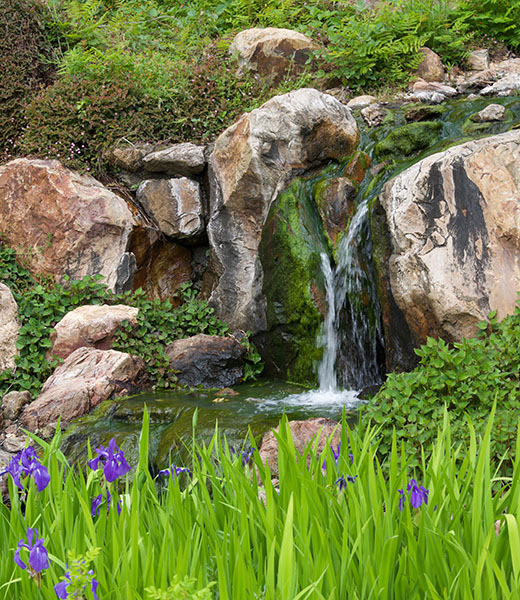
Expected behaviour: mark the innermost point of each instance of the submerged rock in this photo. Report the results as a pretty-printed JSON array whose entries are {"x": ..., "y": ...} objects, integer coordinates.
[
  {"x": 251, "y": 163},
  {"x": 86, "y": 378},
  {"x": 408, "y": 139},
  {"x": 453, "y": 221},
  {"x": 209, "y": 361}
]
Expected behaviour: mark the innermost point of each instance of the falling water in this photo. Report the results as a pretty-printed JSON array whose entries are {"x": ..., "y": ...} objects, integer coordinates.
[{"x": 352, "y": 336}]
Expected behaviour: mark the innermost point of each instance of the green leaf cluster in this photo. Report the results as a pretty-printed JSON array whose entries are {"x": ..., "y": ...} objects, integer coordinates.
[
  {"x": 41, "y": 304},
  {"x": 466, "y": 378}
]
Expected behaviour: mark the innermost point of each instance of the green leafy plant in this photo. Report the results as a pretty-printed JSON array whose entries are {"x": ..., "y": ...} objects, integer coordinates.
[
  {"x": 467, "y": 378},
  {"x": 179, "y": 589}
]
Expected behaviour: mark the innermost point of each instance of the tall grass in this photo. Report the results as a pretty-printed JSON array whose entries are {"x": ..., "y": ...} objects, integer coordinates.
[{"x": 301, "y": 537}]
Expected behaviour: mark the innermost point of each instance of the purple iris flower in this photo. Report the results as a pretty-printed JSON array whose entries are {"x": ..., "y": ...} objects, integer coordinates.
[
  {"x": 26, "y": 463},
  {"x": 38, "y": 557},
  {"x": 98, "y": 501},
  {"x": 342, "y": 481},
  {"x": 173, "y": 471},
  {"x": 112, "y": 459},
  {"x": 61, "y": 588},
  {"x": 418, "y": 495},
  {"x": 336, "y": 453},
  {"x": 244, "y": 456}
]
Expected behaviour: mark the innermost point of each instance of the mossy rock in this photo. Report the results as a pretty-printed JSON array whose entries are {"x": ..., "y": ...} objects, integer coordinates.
[
  {"x": 474, "y": 129},
  {"x": 293, "y": 239},
  {"x": 424, "y": 112},
  {"x": 408, "y": 139}
]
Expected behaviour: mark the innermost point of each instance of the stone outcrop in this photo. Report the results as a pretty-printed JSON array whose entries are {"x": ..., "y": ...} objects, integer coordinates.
[
  {"x": 90, "y": 326},
  {"x": 207, "y": 360},
  {"x": 251, "y": 162},
  {"x": 9, "y": 327},
  {"x": 175, "y": 205},
  {"x": 63, "y": 223},
  {"x": 430, "y": 68},
  {"x": 453, "y": 220},
  {"x": 303, "y": 433},
  {"x": 272, "y": 52},
  {"x": 86, "y": 378}
]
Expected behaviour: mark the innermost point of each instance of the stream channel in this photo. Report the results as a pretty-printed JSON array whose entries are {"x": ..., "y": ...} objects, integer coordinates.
[{"x": 351, "y": 337}]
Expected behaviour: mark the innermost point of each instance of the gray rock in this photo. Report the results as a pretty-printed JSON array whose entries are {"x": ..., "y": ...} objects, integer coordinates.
[
  {"x": 506, "y": 86},
  {"x": 9, "y": 327},
  {"x": 13, "y": 403},
  {"x": 374, "y": 114},
  {"x": 175, "y": 205},
  {"x": 251, "y": 163},
  {"x": 181, "y": 159},
  {"x": 478, "y": 60},
  {"x": 207, "y": 361},
  {"x": 492, "y": 112}
]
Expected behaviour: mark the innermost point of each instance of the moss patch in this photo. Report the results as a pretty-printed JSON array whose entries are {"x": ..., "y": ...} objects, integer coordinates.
[
  {"x": 408, "y": 139},
  {"x": 292, "y": 241}
]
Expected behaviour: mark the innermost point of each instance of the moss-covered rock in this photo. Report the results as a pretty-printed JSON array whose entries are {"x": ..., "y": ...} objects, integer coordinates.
[
  {"x": 292, "y": 242},
  {"x": 408, "y": 139}
]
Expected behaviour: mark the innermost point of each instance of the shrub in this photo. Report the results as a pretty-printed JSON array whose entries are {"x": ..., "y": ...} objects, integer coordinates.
[
  {"x": 26, "y": 53},
  {"x": 467, "y": 378}
]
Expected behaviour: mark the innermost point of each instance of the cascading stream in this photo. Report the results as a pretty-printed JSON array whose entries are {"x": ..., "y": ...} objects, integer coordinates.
[{"x": 352, "y": 337}]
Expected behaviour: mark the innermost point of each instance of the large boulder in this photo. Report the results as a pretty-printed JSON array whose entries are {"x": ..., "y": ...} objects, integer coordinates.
[
  {"x": 207, "y": 360},
  {"x": 91, "y": 326},
  {"x": 454, "y": 226},
  {"x": 86, "y": 378},
  {"x": 251, "y": 163},
  {"x": 65, "y": 224},
  {"x": 9, "y": 327},
  {"x": 272, "y": 52}
]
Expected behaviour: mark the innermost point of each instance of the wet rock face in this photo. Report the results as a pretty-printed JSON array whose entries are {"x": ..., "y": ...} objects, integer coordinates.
[
  {"x": 453, "y": 220},
  {"x": 89, "y": 327},
  {"x": 9, "y": 327},
  {"x": 251, "y": 163},
  {"x": 207, "y": 360},
  {"x": 65, "y": 223},
  {"x": 271, "y": 52},
  {"x": 86, "y": 378}
]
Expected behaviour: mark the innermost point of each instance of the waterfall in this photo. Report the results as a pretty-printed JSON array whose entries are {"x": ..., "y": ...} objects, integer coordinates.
[{"x": 351, "y": 336}]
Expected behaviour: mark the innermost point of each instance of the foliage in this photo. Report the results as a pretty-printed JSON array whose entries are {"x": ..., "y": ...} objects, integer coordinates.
[
  {"x": 42, "y": 304},
  {"x": 494, "y": 20},
  {"x": 187, "y": 588},
  {"x": 26, "y": 52},
  {"x": 230, "y": 525},
  {"x": 467, "y": 378}
]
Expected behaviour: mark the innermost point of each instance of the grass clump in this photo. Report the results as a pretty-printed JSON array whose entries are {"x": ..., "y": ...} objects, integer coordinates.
[
  {"x": 467, "y": 378},
  {"x": 335, "y": 525}
]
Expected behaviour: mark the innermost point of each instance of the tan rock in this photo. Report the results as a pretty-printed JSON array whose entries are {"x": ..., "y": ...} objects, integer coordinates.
[
  {"x": 336, "y": 205},
  {"x": 9, "y": 327},
  {"x": 454, "y": 224},
  {"x": 422, "y": 85},
  {"x": 506, "y": 86},
  {"x": 303, "y": 433},
  {"x": 86, "y": 378},
  {"x": 272, "y": 52},
  {"x": 431, "y": 67},
  {"x": 89, "y": 327},
  {"x": 510, "y": 66},
  {"x": 129, "y": 157},
  {"x": 360, "y": 102},
  {"x": 478, "y": 60},
  {"x": 374, "y": 114},
  {"x": 251, "y": 163},
  {"x": 63, "y": 223},
  {"x": 175, "y": 205},
  {"x": 492, "y": 112}
]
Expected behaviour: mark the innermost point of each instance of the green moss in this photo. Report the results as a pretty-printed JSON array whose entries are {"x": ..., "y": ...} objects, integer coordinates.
[
  {"x": 292, "y": 241},
  {"x": 408, "y": 139}
]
